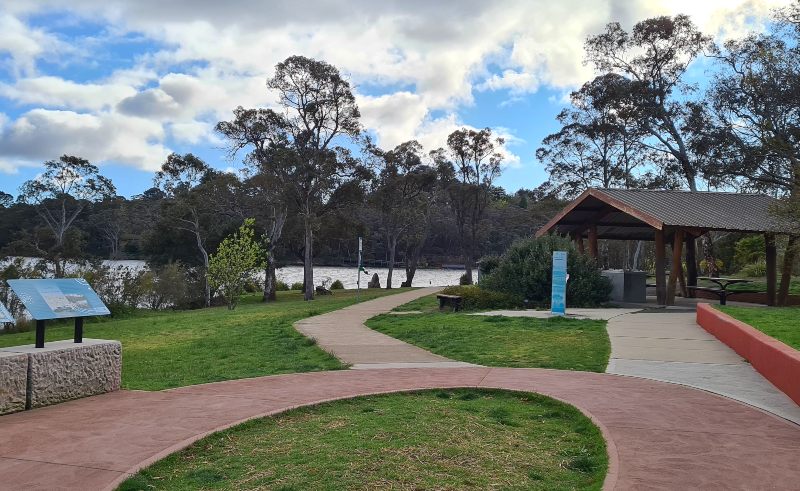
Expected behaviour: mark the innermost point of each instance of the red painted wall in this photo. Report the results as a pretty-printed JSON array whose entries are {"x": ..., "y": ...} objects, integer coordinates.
[{"x": 777, "y": 362}]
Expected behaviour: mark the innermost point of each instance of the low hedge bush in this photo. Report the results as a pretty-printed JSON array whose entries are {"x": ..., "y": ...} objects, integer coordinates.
[
  {"x": 474, "y": 297},
  {"x": 525, "y": 270}
]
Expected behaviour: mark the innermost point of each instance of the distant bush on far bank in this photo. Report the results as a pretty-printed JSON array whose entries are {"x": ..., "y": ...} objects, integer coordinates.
[{"x": 525, "y": 269}]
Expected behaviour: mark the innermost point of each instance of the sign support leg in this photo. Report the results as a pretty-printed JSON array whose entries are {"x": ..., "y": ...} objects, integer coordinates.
[
  {"x": 40, "y": 334},
  {"x": 79, "y": 329}
]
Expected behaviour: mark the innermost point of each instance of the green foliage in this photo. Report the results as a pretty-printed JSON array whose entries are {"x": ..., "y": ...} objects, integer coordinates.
[
  {"x": 749, "y": 250},
  {"x": 337, "y": 285},
  {"x": 704, "y": 265},
  {"x": 487, "y": 264},
  {"x": 464, "y": 279},
  {"x": 281, "y": 286},
  {"x": 474, "y": 297},
  {"x": 232, "y": 267},
  {"x": 466, "y": 439},
  {"x": 297, "y": 285},
  {"x": 525, "y": 270},
  {"x": 754, "y": 270}
]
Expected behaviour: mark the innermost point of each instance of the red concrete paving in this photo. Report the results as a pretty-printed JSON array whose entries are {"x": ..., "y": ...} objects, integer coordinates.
[{"x": 660, "y": 436}]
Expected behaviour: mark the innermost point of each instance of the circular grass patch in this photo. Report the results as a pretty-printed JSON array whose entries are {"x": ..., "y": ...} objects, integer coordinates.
[{"x": 439, "y": 439}]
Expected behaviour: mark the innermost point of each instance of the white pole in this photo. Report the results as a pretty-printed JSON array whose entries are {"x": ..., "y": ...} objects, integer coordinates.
[{"x": 358, "y": 280}]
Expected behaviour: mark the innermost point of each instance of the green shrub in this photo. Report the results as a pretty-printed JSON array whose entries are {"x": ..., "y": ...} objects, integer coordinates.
[
  {"x": 704, "y": 265},
  {"x": 487, "y": 264},
  {"x": 525, "y": 270},
  {"x": 474, "y": 297},
  {"x": 464, "y": 280},
  {"x": 754, "y": 270},
  {"x": 749, "y": 250},
  {"x": 297, "y": 285},
  {"x": 337, "y": 285},
  {"x": 281, "y": 286}
]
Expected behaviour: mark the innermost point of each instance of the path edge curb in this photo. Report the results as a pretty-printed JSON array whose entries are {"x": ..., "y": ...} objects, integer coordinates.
[
  {"x": 777, "y": 362},
  {"x": 609, "y": 482}
]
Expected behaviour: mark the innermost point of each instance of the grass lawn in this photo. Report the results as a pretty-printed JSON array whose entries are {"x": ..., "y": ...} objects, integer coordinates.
[
  {"x": 428, "y": 303},
  {"x": 782, "y": 324},
  {"x": 455, "y": 439},
  {"x": 566, "y": 344},
  {"x": 161, "y": 350}
]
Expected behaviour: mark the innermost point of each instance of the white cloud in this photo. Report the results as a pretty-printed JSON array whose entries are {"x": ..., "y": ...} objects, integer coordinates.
[
  {"x": 55, "y": 92},
  {"x": 41, "y": 134},
  {"x": 517, "y": 82},
  {"x": 25, "y": 44},
  {"x": 421, "y": 57}
]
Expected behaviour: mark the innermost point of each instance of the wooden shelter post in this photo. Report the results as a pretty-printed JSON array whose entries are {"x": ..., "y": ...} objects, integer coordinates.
[
  {"x": 578, "y": 239},
  {"x": 677, "y": 266},
  {"x": 593, "y": 251},
  {"x": 661, "y": 274},
  {"x": 691, "y": 263},
  {"x": 772, "y": 268}
]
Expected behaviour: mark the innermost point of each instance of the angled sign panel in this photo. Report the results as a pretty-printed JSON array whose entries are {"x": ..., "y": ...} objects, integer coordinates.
[
  {"x": 58, "y": 298},
  {"x": 5, "y": 315}
]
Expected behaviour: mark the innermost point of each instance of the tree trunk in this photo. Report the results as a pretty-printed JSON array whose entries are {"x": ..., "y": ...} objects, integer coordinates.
[
  {"x": 308, "y": 257},
  {"x": 637, "y": 254},
  {"x": 469, "y": 263},
  {"x": 392, "y": 243},
  {"x": 786, "y": 270},
  {"x": 270, "y": 281},
  {"x": 708, "y": 255},
  {"x": 411, "y": 270},
  {"x": 205, "y": 280}
]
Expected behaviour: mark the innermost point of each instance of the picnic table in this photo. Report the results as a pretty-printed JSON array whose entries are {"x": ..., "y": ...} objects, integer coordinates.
[{"x": 722, "y": 292}]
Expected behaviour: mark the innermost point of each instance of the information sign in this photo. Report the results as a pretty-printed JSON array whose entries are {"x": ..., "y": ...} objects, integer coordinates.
[
  {"x": 558, "y": 296},
  {"x": 58, "y": 298},
  {"x": 5, "y": 315}
]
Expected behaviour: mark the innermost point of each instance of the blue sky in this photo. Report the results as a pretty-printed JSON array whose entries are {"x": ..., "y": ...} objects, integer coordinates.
[{"x": 123, "y": 83}]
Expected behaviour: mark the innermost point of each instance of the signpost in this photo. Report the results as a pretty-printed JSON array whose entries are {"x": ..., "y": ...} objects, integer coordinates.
[
  {"x": 5, "y": 315},
  {"x": 358, "y": 279},
  {"x": 63, "y": 298},
  {"x": 558, "y": 295}
]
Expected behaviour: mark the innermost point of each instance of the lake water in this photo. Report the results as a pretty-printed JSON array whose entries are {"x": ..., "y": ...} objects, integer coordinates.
[{"x": 348, "y": 276}]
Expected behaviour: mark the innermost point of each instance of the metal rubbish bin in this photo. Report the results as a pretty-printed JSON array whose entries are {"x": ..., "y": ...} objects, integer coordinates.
[{"x": 627, "y": 286}]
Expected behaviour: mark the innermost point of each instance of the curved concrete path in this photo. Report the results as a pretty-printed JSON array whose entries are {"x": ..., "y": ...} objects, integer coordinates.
[
  {"x": 342, "y": 333},
  {"x": 671, "y": 347},
  {"x": 660, "y": 436}
]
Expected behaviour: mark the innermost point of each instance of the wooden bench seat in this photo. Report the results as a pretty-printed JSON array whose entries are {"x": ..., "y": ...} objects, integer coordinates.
[{"x": 454, "y": 301}]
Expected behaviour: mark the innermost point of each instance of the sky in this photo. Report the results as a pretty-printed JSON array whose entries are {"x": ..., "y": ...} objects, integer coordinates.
[{"x": 124, "y": 83}]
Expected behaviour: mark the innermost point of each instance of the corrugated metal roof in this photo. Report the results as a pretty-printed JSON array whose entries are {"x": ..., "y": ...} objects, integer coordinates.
[
  {"x": 706, "y": 210},
  {"x": 634, "y": 213}
]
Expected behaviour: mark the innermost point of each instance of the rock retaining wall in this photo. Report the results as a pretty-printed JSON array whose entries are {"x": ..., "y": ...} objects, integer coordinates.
[
  {"x": 63, "y": 370},
  {"x": 13, "y": 382}
]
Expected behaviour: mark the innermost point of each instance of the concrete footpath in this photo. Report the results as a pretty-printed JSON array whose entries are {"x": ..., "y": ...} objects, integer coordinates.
[
  {"x": 671, "y": 347},
  {"x": 342, "y": 333}
]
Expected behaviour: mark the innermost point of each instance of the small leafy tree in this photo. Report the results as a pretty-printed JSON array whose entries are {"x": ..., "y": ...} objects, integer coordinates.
[{"x": 237, "y": 257}]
